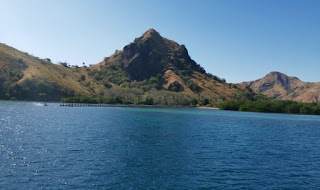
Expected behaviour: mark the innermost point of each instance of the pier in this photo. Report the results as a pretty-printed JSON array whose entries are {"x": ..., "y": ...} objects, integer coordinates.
[{"x": 110, "y": 105}]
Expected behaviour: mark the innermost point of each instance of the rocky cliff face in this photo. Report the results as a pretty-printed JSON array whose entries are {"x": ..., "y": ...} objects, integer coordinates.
[{"x": 283, "y": 87}]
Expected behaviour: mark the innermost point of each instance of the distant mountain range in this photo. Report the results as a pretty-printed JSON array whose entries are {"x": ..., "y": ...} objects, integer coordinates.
[
  {"x": 283, "y": 87},
  {"x": 149, "y": 66}
]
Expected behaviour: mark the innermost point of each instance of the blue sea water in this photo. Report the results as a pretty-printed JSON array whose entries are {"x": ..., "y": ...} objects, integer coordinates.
[{"x": 53, "y": 147}]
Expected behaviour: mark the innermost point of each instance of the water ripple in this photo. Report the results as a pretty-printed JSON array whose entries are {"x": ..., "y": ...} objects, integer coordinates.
[{"x": 54, "y": 147}]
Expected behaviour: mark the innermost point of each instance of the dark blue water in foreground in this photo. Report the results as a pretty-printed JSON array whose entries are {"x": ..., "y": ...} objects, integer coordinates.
[{"x": 147, "y": 148}]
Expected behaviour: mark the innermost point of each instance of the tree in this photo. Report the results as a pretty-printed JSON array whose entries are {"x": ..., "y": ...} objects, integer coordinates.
[
  {"x": 149, "y": 101},
  {"x": 305, "y": 109},
  {"x": 153, "y": 80},
  {"x": 65, "y": 64},
  {"x": 193, "y": 86},
  {"x": 205, "y": 101},
  {"x": 194, "y": 102}
]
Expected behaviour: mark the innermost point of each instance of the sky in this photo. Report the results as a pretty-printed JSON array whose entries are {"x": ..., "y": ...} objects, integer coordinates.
[{"x": 239, "y": 40}]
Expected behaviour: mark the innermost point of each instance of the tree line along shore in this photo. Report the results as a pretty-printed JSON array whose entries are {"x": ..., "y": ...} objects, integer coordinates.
[
  {"x": 272, "y": 106},
  {"x": 266, "y": 106}
]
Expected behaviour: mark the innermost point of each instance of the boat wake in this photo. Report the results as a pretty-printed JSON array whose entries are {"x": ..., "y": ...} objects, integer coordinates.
[{"x": 40, "y": 104}]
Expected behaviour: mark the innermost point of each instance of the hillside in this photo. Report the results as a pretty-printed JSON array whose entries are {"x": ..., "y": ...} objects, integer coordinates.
[
  {"x": 283, "y": 87},
  {"x": 25, "y": 77},
  {"x": 152, "y": 59},
  {"x": 150, "y": 66}
]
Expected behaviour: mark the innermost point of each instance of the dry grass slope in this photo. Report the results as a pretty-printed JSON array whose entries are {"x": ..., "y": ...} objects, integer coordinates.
[{"x": 283, "y": 87}]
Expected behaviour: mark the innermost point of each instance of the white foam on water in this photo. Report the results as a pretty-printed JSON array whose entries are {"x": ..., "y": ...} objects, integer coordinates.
[{"x": 37, "y": 104}]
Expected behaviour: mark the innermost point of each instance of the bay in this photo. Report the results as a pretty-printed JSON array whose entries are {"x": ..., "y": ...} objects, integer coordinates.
[{"x": 53, "y": 147}]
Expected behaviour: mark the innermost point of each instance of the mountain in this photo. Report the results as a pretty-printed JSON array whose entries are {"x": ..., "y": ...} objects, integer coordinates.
[
  {"x": 149, "y": 66},
  {"x": 283, "y": 87},
  {"x": 152, "y": 56}
]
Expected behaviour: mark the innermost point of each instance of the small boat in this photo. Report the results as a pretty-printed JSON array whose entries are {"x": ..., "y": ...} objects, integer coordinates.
[{"x": 44, "y": 104}]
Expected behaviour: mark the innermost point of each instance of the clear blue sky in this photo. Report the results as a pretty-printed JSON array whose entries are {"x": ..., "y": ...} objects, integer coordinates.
[{"x": 239, "y": 40}]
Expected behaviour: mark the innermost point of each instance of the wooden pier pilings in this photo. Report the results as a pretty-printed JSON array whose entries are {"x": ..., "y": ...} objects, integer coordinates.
[
  {"x": 108, "y": 105},
  {"x": 92, "y": 105}
]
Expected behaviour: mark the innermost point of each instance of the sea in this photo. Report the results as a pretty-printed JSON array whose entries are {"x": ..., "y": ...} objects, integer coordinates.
[{"x": 54, "y": 147}]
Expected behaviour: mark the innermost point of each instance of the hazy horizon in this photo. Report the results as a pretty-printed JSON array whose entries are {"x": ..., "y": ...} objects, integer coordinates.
[{"x": 236, "y": 40}]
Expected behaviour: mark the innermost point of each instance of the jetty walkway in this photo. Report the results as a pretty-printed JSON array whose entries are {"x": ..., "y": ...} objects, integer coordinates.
[{"x": 112, "y": 105}]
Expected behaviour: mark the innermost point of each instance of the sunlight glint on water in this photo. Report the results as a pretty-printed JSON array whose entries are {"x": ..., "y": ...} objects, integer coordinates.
[{"x": 56, "y": 147}]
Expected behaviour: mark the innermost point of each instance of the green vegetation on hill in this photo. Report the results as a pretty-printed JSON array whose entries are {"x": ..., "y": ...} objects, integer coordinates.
[
  {"x": 33, "y": 90},
  {"x": 136, "y": 96},
  {"x": 279, "y": 106}
]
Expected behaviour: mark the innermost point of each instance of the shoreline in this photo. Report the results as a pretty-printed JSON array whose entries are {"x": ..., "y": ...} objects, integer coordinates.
[
  {"x": 63, "y": 104},
  {"x": 108, "y": 105}
]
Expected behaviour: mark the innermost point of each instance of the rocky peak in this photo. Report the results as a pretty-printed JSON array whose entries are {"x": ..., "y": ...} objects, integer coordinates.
[
  {"x": 277, "y": 74},
  {"x": 281, "y": 78},
  {"x": 150, "y": 33},
  {"x": 151, "y": 55}
]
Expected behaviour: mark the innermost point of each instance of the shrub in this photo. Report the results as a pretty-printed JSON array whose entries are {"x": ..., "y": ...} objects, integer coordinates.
[
  {"x": 107, "y": 85},
  {"x": 82, "y": 78},
  {"x": 194, "y": 87},
  {"x": 97, "y": 77}
]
